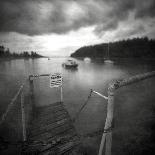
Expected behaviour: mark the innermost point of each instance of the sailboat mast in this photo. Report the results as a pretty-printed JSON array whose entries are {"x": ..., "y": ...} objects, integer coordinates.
[{"x": 108, "y": 49}]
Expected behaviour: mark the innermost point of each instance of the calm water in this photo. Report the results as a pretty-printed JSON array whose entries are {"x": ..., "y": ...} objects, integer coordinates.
[{"x": 134, "y": 104}]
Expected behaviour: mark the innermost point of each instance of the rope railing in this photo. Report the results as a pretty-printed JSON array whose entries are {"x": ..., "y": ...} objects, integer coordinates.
[
  {"x": 21, "y": 108},
  {"x": 11, "y": 104},
  {"x": 37, "y": 75},
  {"x": 107, "y": 134},
  {"x": 83, "y": 106}
]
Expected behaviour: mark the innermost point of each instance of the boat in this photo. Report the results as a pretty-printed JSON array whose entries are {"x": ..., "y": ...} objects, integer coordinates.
[
  {"x": 87, "y": 60},
  {"x": 70, "y": 64},
  {"x": 107, "y": 60}
]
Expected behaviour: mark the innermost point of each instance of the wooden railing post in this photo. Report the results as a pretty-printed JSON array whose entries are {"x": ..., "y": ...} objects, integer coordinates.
[
  {"x": 61, "y": 93},
  {"x": 31, "y": 92},
  {"x": 107, "y": 134},
  {"x": 23, "y": 116}
]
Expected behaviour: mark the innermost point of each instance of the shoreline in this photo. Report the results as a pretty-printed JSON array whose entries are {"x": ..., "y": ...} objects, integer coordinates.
[{"x": 14, "y": 58}]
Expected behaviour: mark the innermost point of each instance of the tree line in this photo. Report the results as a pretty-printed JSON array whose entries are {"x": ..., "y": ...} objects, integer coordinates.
[
  {"x": 130, "y": 48},
  {"x": 5, "y": 53}
]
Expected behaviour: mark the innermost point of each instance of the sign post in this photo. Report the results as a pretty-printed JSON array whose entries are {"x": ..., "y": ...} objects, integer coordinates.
[{"x": 56, "y": 81}]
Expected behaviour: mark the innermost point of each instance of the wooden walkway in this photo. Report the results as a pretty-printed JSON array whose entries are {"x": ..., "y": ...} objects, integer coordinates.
[{"x": 52, "y": 132}]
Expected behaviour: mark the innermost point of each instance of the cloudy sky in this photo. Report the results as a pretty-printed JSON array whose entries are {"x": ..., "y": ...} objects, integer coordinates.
[{"x": 59, "y": 27}]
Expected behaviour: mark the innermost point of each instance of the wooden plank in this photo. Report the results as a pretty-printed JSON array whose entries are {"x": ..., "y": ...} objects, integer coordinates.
[
  {"x": 44, "y": 128},
  {"x": 49, "y": 109},
  {"x": 42, "y": 108},
  {"x": 51, "y": 113},
  {"x": 48, "y": 121},
  {"x": 64, "y": 147},
  {"x": 51, "y": 117},
  {"x": 69, "y": 132},
  {"x": 52, "y": 132},
  {"x": 58, "y": 142},
  {"x": 56, "y": 127},
  {"x": 61, "y": 147},
  {"x": 67, "y": 147},
  {"x": 53, "y": 126}
]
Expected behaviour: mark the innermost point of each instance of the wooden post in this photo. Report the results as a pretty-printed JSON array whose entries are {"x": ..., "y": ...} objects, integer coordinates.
[
  {"x": 61, "y": 93},
  {"x": 31, "y": 93},
  {"x": 102, "y": 144},
  {"x": 23, "y": 116},
  {"x": 107, "y": 135}
]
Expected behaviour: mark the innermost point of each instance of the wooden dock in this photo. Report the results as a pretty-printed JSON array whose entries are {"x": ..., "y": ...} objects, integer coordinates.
[{"x": 52, "y": 132}]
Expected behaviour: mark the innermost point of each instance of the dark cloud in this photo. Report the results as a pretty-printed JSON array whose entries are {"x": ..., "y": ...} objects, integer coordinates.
[
  {"x": 133, "y": 31},
  {"x": 34, "y": 17}
]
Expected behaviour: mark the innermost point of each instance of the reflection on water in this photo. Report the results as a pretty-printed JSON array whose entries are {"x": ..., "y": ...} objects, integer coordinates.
[{"x": 76, "y": 86}]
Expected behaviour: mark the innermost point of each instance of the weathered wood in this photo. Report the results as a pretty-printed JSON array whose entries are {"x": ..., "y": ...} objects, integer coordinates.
[
  {"x": 44, "y": 136},
  {"x": 61, "y": 94},
  {"x": 110, "y": 108},
  {"x": 23, "y": 116},
  {"x": 53, "y": 126},
  {"x": 50, "y": 107},
  {"x": 57, "y": 111},
  {"x": 43, "y": 128},
  {"x": 48, "y": 121},
  {"x": 53, "y": 114}
]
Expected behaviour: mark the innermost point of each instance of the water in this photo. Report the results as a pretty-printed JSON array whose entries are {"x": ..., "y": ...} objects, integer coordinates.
[{"x": 134, "y": 104}]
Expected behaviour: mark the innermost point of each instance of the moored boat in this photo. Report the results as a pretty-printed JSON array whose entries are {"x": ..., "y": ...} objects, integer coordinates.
[
  {"x": 70, "y": 64},
  {"x": 108, "y": 61}
]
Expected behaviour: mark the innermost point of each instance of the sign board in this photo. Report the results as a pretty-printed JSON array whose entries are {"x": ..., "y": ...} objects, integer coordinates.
[{"x": 55, "y": 80}]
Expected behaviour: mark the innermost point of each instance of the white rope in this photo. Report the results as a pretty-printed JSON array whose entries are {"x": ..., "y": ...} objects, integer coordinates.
[{"x": 106, "y": 98}]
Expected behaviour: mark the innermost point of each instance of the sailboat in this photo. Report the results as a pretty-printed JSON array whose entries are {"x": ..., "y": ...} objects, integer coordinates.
[{"x": 107, "y": 60}]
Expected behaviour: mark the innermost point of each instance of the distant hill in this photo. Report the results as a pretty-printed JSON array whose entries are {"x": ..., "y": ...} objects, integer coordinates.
[{"x": 130, "y": 48}]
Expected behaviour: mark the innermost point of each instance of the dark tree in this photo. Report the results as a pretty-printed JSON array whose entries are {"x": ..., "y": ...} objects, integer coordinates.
[{"x": 130, "y": 48}]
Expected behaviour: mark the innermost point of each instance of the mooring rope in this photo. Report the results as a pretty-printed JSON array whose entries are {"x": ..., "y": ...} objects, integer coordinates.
[
  {"x": 91, "y": 91},
  {"x": 78, "y": 113}
]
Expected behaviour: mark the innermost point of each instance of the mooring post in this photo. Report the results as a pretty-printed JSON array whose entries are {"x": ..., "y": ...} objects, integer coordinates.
[
  {"x": 31, "y": 85},
  {"x": 31, "y": 88},
  {"x": 107, "y": 134},
  {"x": 61, "y": 93},
  {"x": 23, "y": 116}
]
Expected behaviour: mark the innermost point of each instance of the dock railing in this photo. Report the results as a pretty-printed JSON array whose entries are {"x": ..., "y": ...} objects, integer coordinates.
[
  {"x": 56, "y": 83},
  {"x": 13, "y": 119},
  {"x": 107, "y": 134},
  {"x": 18, "y": 101}
]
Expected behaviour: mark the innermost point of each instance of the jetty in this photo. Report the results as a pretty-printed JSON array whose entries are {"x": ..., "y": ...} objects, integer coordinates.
[
  {"x": 49, "y": 130},
  {"x": 46, "y": 129}
]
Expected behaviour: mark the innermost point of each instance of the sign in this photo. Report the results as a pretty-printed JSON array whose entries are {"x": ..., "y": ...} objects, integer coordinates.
[{"x": 55, "y": 80}]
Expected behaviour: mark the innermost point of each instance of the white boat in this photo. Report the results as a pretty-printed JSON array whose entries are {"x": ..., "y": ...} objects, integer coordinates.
[
  {"x": 70, "y": 64},
  {"x": 87, "y": 60},
  {"x": 108, "y": 61}
]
